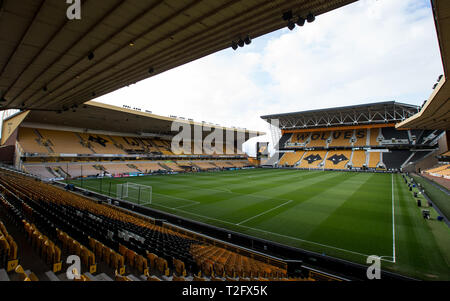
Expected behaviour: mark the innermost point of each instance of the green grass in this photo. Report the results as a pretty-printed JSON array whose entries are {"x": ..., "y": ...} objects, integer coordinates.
[{"x": 342, "y": 214}]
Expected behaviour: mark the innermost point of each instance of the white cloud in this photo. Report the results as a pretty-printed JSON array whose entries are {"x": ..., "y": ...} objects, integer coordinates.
[{"x": 368, "y": 51}]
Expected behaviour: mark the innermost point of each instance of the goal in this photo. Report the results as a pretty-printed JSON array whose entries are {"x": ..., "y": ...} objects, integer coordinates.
[{"x": 137, "y": 193}]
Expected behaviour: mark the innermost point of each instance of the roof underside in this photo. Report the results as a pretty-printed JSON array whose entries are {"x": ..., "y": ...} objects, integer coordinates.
[
  {"x": 435, "y": 114},
  {"x": 102, "y": 117},
  {"x": 44, "y": 56},
  {"x": 375, "y": 113}
]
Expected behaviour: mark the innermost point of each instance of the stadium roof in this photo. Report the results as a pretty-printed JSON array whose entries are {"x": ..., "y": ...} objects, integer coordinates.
[
  {"x": 49, "y": 62},
  {"x": 108, "y": 118},
  {"x": 372, "y": 113},
  {"x": 435, "y": 114}
]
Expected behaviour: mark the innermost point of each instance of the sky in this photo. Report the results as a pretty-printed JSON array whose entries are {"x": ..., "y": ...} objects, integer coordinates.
[{"x": 368, "y": 51}]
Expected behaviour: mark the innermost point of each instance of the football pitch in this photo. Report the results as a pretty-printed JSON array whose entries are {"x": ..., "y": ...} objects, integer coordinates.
[{"x": 347, "y": 215}]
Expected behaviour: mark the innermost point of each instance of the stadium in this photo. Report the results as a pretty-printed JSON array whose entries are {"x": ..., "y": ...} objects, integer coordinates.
[{"x": 137, "y": 196}]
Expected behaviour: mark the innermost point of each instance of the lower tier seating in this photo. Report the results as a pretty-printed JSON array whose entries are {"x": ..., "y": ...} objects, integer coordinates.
[
  {"x": 54, "y": 170},
  {"x": 121, "y": 239},
  {"x": 359, "y": 158},
  {"x": 395, "y": 159},
  {"x": 291, "y": 158},
  {"x": 312, "y": 159},
  {"x": 337, "y": 159}
]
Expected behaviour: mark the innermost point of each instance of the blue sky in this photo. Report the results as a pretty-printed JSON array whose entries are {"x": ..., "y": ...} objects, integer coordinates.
[{"x": 368, "y": 51}]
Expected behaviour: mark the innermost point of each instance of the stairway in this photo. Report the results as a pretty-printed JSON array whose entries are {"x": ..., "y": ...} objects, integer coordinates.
[
  {"x": 50, "y": 170},
  {"x": 165, "y": 166},
  {"x": 132, "y": 166}
]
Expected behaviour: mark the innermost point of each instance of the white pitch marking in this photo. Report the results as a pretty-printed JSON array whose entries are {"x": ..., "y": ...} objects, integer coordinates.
[
  {"x": 264, "y": 212},
  {"x": 277, "y": 234},
  {"x": 393, "y": 221}
]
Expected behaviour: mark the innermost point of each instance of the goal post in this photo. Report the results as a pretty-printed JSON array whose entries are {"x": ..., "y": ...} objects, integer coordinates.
[{"x": 137, "y": 193}]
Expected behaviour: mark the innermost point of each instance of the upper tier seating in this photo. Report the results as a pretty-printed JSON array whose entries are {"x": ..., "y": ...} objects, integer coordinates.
[
  {"x": 101, "y": 144},
  {"x": 358, "y": 137},
  {"x": 361, "y": 137},
  {"x": 299, "y": 137},
  {"x": 283, "y": 140},
  {"x": 31, "y": 142},
  {"x": 64, "y": 142},
  {"x": 54, "y": 142},
  {"x": 319, "y": 139},
  {"x": 391, "y": 133},
  {"x": 341, "y": 138},
  {"x": 374, "y": 133}
]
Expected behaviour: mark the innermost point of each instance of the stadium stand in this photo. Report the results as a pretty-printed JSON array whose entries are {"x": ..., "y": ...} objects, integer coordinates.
[
  {"x": 31, "y": 142},
  {"x": 341, "y": 141},
  {"x": 300, "y": 138},
  {"x": 8, "y": 249},
  {"x": 419, "y": 155},
  {"x": 440, "y": 171},
  {"x": 396, "y": 158},
  {"x": 203, "y": 165},
  {"x": 118, "y": 168},
  {"x": 341, "y": 138},
  {"x": 54, "y": 170},
  {"x": 312, "y": 159},
  {"x": 390, "y": 133},
  {"x": 173, "y": 166},
  {"x": 337, "y": 159},
  {"x": 359, "y": 159},
  {"x": 148, "y": 167},
  {"x": 374, "y": 159},
  {"x": 122, "y": 240},
  {"x": 172, "y": 251},
  {"x": 360, "y": 136},
  {"x": 291, "y": 158},
  {"x": 374, "y": 134},
  {"x": 319, "y": 139}
]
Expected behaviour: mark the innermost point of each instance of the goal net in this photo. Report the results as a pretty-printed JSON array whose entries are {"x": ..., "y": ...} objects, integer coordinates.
[{"x": 137, "y": 193}]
